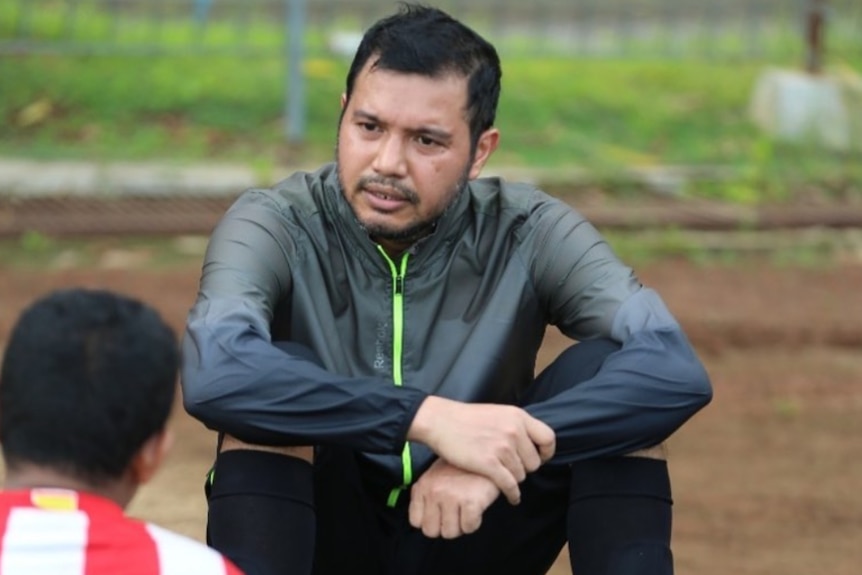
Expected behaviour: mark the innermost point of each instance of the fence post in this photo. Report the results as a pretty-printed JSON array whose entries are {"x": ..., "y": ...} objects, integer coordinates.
[
  {"x": 295, "y": 100},
  {"x": 815, "y": 21}
]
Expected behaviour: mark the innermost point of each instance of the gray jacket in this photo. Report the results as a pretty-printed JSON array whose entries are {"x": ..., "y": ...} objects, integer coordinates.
[{"x": 462, "y": 315}]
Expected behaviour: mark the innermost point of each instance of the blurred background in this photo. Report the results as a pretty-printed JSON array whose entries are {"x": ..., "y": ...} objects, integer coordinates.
[
  {"x": 717, "y": 145},
  {"x": 742, "y": 101},
  {"x": 603, "y": 86}
]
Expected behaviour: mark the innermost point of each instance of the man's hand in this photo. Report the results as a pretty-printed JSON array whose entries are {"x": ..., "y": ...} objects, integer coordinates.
[
  {"x": 501, "y": 442},
  {"x": 449, "y": 502}
]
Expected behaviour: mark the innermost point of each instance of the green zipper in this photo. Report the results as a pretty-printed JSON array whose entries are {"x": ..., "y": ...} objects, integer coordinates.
[{"x": 397, "y": 336}]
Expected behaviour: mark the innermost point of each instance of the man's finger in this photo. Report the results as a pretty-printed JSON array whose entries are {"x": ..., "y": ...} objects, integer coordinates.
[
  {"x": 543, "y": 438},
  {"x": 450, "y": 521},
  {"x": 506, "y": 483},
  {"x": 529, "y": 455},
  {"x": 416, "y": 510},
  {"x": 514, "y": 463},
  {"x": 471, "y": 519},
  {"x": 431, "y": 521}
]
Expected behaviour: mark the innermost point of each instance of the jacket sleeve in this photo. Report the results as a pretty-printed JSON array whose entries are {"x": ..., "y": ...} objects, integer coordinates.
[
  {"x": 236, "y": 380},
  {"x": 644, "y": 391}
]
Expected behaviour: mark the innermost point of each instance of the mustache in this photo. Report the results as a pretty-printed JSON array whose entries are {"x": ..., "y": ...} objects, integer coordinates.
[{"x": 406, "y": 192}]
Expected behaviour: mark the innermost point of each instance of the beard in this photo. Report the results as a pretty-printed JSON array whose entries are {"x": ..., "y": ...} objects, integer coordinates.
[{"x": 415, "y": 230}]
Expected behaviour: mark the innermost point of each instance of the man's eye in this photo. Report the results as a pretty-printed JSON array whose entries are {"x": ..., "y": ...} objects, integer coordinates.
[
  {"x": 426, "y": 141},
  {"x": 369, "y": 126}
]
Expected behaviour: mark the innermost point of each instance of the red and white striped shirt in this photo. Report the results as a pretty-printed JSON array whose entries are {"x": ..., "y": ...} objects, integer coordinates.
[{"x": 64, "y": 532}]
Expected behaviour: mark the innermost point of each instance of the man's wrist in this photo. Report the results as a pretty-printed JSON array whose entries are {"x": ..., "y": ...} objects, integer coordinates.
[
  {"x": 426, "y": 421},
  {"x": 421, "y": 425}
]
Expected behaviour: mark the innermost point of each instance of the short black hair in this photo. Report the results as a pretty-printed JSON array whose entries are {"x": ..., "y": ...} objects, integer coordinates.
[
  {"x": 87, "y": 377},
  {"x": 427, "y": 41}
]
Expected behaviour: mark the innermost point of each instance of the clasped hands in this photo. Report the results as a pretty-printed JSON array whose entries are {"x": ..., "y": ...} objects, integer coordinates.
[{"x": 484, "y": 450}]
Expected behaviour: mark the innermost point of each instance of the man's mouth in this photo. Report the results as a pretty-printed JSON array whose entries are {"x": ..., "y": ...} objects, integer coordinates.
[{"x": 384, "y": 193}]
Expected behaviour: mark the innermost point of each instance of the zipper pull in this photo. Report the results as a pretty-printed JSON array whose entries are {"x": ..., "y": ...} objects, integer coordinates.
[{"x": 399, "y": 284}]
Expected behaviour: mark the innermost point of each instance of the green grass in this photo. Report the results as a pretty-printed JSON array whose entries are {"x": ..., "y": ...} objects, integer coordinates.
[
  {"x": 598, "y": 115},
  {"x": 38, "y": 251},
  {"x": 813, "y": 248}
]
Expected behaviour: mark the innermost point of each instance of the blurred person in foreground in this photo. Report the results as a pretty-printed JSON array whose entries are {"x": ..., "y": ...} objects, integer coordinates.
[
  {"x": 365, "y": 339},
  {"x": 86, "y": 387}
]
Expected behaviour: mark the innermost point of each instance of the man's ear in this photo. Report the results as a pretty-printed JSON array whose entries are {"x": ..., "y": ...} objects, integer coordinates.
[
  {"x": 486, "y": 145},
  {"x": 343, "y": 100},
  {"x": 150, "y": 456}
]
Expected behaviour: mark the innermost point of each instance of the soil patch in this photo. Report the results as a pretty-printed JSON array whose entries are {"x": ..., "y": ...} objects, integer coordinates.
[{"x": 766, "y": 479}]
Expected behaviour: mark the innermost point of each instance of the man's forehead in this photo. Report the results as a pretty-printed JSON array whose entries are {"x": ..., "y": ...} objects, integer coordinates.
[{"x": 451, "y": 85}]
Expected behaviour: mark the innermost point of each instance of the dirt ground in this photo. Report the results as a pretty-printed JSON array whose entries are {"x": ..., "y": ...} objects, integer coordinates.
[{"x": 766, "y": 479}]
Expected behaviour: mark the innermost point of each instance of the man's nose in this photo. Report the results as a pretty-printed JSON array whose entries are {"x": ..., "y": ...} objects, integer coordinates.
[{"x": 390, "y": 159}]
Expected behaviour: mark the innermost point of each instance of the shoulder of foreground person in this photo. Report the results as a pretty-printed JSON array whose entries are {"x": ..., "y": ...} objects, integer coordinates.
[{"x": 181, "y": 554}]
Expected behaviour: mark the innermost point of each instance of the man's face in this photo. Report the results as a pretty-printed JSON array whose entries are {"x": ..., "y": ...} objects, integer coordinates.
[{"x": 404, "y": 152}]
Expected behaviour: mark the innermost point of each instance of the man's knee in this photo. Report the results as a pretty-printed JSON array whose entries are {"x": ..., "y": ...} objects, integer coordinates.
[
  {"x": 573, "y": 366},
  {"x": 304, "y": 452},
  {"x": 261, "y": 510},
  {"x": 655, "y": 452},
  {"x": 620, "y": 516},
  {"x": 255, "y": 472}
]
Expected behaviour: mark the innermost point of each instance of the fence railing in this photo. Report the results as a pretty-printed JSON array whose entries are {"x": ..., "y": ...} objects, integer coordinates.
[
  {"x": 603, "y": 28},
  {"x": 766, "y": 30}
]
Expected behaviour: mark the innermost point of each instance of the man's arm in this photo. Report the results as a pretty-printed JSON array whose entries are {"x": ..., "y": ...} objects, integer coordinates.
[
  {"x": 236, "y": 380},
  {"x": 640, "y": 396},
  {"x": 644, "y": 391}
]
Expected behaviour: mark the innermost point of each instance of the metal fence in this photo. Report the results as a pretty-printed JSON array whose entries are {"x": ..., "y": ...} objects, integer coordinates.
[
  {"x": 292, "y": 30},
  {"x": 295, "y": 30},
  {"x": 602, "y": 28}
]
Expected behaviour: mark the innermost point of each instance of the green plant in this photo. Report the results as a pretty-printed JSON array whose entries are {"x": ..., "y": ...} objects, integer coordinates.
[
  {"x": 33, "y": 242},
  {"x": 599, "y": 116}
]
